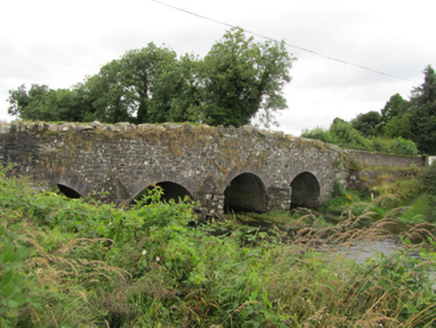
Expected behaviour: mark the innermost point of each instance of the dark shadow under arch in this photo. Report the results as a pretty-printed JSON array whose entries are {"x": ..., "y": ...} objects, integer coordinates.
[
  {"x": 305, "y": 191},
  {"x": 171, "y": 191},
  {"x": 246, "y": 193},
  {"x": 68, "y": 192}
]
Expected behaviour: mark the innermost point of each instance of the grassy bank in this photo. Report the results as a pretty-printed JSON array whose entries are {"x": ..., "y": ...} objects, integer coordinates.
[{"x": 71, "y": 263}]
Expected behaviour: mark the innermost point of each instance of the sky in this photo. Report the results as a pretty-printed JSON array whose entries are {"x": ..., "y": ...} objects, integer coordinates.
[{"x": 59, "y": 43}]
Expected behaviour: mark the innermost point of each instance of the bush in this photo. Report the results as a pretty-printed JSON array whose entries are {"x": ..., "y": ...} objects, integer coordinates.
[
  {"x": 429, "y": 179},
  {"x": 405, "y": 147},
  {"x": 348, "y": 138},
  {"x": 397, "y": 146},
  {"x": 429, "y": 183},
  {"x": 319, "y": 134},
  {"x": 100, "y": 266},
  {"x": 345, "y": 136}
]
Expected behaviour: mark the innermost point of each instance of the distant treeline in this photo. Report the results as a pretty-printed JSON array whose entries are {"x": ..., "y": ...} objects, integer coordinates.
[{"x": 402, "y": 127}]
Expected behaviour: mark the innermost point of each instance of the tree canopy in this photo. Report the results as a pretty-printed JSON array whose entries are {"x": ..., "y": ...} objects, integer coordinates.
[
  {"x": 235, "y": 81},
  {"x": 367, "y": 123},
  {"x": 414, "y": 119},
  {"x": 423, "y": 113},
  {"x": 402, "y": 127},
  {"x": 240, "y": 77},
  {"x": 393, "y": 108}
]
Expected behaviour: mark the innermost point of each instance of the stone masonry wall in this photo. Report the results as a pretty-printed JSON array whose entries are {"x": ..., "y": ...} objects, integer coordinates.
[
  {"x": 366, "y": 158},
  {"x": 123, "y": 159}
]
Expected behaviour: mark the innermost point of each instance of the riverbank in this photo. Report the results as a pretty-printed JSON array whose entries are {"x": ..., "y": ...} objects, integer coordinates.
[{"x": 80, "y": 263}]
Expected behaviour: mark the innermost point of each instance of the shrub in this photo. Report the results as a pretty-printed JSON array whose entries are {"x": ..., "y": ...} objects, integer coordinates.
[
  {"x": 345, "y": 136},
  {"x": 100, "y": 266},
  {"x": 319, "y": 134}
]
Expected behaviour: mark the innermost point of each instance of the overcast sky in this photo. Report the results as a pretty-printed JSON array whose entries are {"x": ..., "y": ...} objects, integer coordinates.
[{"x": 58, "y": 43}]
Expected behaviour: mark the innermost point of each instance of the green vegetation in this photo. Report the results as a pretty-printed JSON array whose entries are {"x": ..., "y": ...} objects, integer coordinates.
[
  {"x": 237, "y": 80},
  {"x": 75, "y": 263},
  {"x": 429, "y": 179},
  {"x": 402, "y": 127},
  {"x": 345, "y": 136},
  {"x": 411, "y": 198}
]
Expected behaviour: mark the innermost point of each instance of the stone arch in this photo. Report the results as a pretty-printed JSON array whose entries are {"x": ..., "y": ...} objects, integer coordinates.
[
  {"x": 171, "y": 191},
  {"x": 72, "y": 186},
  {"x": 245, "y": 192},
  {"x": 175, "y": 185},
  {"x": 68, "y": 192},
  {"x": 306, "y": 190},
  {"x": 160, "y": 177}
]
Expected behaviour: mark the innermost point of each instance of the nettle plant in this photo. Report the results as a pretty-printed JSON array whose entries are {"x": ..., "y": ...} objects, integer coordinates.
[{"x": 13, "y": 292}]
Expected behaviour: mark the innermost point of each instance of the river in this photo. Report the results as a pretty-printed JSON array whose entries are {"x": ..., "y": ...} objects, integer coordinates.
[{"x": 361, "y": 250}]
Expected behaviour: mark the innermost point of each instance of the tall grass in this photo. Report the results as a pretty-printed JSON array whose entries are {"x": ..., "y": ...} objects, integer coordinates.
[{"x": 73, "y": 264}]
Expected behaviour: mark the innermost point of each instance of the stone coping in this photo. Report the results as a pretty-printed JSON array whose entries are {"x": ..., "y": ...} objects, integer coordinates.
[{"x": 126, "y": 127}]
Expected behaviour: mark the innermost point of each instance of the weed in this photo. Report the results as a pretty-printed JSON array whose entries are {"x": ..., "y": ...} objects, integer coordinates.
[{"x": 76, "y": 264}]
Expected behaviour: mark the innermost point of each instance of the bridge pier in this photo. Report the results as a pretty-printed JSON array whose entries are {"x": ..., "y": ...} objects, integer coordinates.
[
  {"x": 211, "y": 204},
  {"x": 279, "y": 198},
  {"x": 276, "y": 199}
]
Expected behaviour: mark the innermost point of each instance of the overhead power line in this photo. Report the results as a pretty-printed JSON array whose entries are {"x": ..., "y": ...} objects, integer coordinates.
[{"x": 286, "y": 43}]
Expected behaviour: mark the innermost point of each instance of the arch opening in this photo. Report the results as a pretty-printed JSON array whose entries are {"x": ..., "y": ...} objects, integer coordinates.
[
  {"x": 68, "y": 192},
  {"x": 246, "y": 193},
  {"x": 171, "y": 191},
  {"x": 305, "y": 191}
]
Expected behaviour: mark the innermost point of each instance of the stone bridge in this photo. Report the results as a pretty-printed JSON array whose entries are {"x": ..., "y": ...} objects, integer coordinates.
[{"x": 220, "y": 168}]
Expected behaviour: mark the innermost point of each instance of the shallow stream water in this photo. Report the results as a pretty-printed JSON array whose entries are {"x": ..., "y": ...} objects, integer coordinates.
[{"x": 362, "y": 250}]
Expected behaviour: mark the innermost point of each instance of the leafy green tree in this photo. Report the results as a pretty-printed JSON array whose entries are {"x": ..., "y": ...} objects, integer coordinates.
[
  {"x": 30, "y": 104},
  {"x": 242, "y": 78},
  {"x": 18, "y": 100},
  {"x": 393, "y": 108},
  {"x": 123, "y": 88},
  {"x": 175, "y": 93},
  {"x": 146, "y": 85},
  {"x": 406, "y": 125},
  {"x": 399, "y": 126},
  {"x": 423, "y": 113},
  {"x": 367, "y": 123},
  {"x": 396, "y": 118},
  {"x": 236, "y": 80},
  {"x": 107, "y": 90},
  {"x": 43, "y": 103}
]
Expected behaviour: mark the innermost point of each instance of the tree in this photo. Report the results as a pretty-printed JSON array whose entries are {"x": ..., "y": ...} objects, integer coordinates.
[
  {"x": 175, "y": 93},
  {"x": 396, "y": 118},
  {"x": 423, "y": 113},
  {"x": 123, "y": 88},
  {"x": 242, "y": 78},
  {"x": 367, "y": 123},
  {"x": 236, "y": 80},
  {"x": 399, "y": 126},
  {"x": 393, "y": 108},
  {"x": 43, "y": 103},
  {"x": 18, "y": 100},
  {"x": 29, "y": 104}
]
